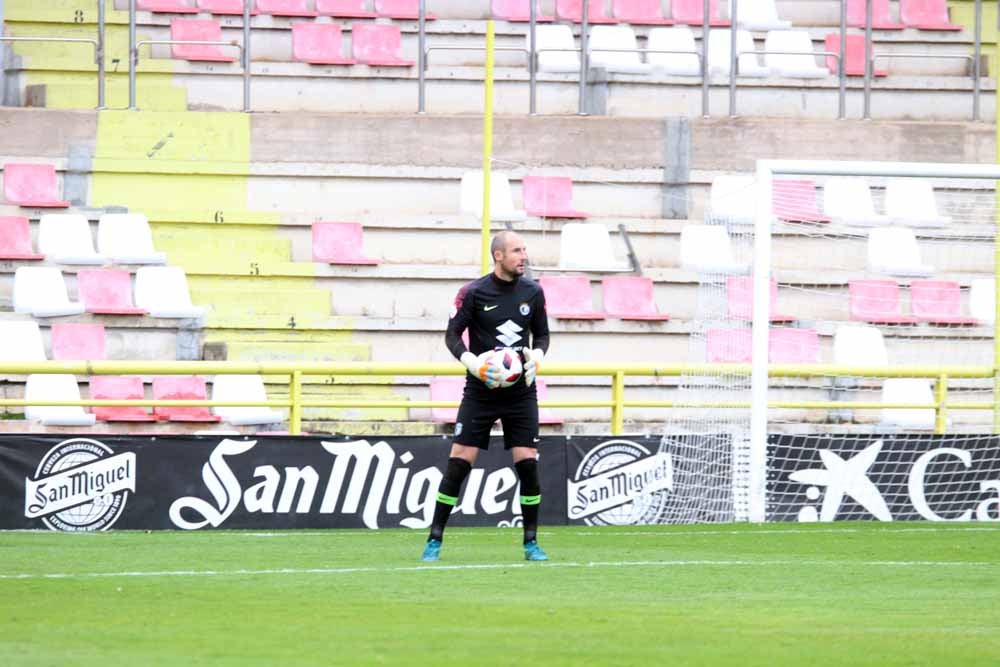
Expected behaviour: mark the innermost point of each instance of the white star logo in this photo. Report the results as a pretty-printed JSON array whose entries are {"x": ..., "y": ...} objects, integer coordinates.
[
  {"x": 846, "y": 478},
  {"x": 509, "y": 333}
]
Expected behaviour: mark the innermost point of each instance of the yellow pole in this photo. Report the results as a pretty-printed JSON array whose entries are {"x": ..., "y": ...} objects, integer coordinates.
[
  {"x": 941, "y": 401},
  {"x": 487, "y": 149},
  {"x": 996, "y": 296},
  {"x": 618, "y": 398},
  {"x": 295, "y": 394}
]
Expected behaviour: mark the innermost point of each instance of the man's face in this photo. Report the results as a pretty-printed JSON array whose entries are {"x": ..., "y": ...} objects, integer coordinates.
[{"x": 511, "y": 260}]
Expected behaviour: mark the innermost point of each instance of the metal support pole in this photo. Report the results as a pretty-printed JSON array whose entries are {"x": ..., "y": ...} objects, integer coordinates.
[
  {"x": 246, "y": 56},
  {"x": 941, "y": 405},
  {"x": 705, "y": 72},
  {"x": 841, "y": 66},
  {"x": 869, "y": 58},
  {"x": 618, "y": 398},
  {"x": 584, "y": 60},
  {"x": 485, "y": 255},
  {"x": 101, "y": 101},
  {"x": 133, "y": 54},
  {"x": 733, "y": 58},
  {"x": 977, "y": 52},
  {"x": 295, "y": 397},
  {"x": 422, "y": 57},
  {"x": 532, "y": 63}
]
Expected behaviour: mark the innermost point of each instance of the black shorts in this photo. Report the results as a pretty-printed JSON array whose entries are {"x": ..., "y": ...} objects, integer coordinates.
[{"x": 517, "y": 410}]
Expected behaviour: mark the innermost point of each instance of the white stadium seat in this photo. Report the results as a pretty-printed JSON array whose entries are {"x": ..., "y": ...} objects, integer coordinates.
[
  {"x": 894, "y": 251},
  {"x": 908, "y": 390},
  {"x": 708, "y": 249},
  {"x": 243, "y": 388},
  {"x": 554, "y": 44},
  {"x": 911, "y": 202},
  {"x": 618, "y": 38},
  {"x": 760, "y": 15},
  {"x": 848, "y": 200},
  {"x": 586, "y": 246},
  {"x": 55, "y": 387},
  {"x": 41, "y": 291},
  {"x": 677, "y": 38},
  {"x": 787, "y": 53},
  {"x": 65, "y": 239},
  {"x": 163, "y": 292},
  {"x": 126, "y": 239},
  {"x": 718, "y": 54},
  {"x": 22, "y": 341},
  {"x": 501, "y": 199}
]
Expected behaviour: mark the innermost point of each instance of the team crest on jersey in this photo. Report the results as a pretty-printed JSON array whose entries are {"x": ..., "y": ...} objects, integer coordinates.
[{"x": 525, "y": 309}]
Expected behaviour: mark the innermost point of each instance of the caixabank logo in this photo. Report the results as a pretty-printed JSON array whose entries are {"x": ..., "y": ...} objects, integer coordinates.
[
  {"x": 80, "y": 485},
  {"x": 619, "y": 482}
]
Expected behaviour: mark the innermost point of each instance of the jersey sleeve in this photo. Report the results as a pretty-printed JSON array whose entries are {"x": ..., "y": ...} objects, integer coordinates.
[
  {"x": 540, "y": 323},
  {"x": 461, "y": 316}
]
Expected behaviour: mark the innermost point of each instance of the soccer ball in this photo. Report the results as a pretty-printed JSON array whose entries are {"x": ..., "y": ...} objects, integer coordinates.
[{"x": 509, "y": 363}]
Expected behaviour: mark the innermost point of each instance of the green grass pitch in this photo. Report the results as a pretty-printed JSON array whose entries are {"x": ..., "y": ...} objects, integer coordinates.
[{"x": 831, "y": 594}]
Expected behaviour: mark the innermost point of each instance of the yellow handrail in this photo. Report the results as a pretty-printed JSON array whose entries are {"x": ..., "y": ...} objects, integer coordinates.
[{"x": 295, "y": 372}]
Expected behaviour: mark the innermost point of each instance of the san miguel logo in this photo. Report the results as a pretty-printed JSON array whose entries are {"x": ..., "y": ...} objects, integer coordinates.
[
  {"x": 80, "y": 485},
  {"x": 618, "y": 483},
  {"x": 371, "y": 480}
]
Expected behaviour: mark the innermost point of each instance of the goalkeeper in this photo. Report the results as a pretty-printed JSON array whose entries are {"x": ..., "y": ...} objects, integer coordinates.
[{"x": 501, "y": 309}]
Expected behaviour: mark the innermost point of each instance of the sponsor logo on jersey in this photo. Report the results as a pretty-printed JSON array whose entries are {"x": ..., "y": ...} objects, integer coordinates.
[
  {"x": 509, "y": 333},
  {"x": 524, "y": 309},
  {"x": 489, "y": 308}
]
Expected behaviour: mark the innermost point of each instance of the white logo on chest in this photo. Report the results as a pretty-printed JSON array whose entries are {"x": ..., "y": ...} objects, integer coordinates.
[{"x": 509, "y": 333}]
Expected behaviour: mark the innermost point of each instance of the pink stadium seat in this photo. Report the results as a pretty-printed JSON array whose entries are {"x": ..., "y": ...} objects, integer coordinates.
[
  {"x": 123, "y": 388},
  {"x": 107, "y": 292},
  {"x": 544, "y": 416},
  {"x": 378, "y": 45},
  {"x": 339, "y": 243},
  {"x": 793, "y": 346},
  {"x": 318, "y": 44},
  {"x": 926, "y": 15},
  {"x": 877, "y": 302},
  {"x": 796, "y": 201},
  {"x": 400, "y": 9},
  {"x": 550, "y": 197},
  {"x": 739, "y": 299},
  {"x": 31, "y": 185},
  {"x": 639, "y": 12},
  {"x": 285, "y": 8},
  {"x": 198, "y": 30},
  {"x": 15, "y": 238},
  {"x": 572, "y": 10},
  {"x": 630, "y": 298},
  {"x": 180, "y": 388},
  {"x": 446, "y": 389},
  {"x": 691, "y": 12},
  {"x": 74, "y": 341},
  {"x": 518, "y": 11},
  {"x": 166, "y": 6},
  {"x": 880, "y": 15},
  {"x": 347, "y": 9},
  {"x": 569, "y": 298},
  {"x": 854, "y": 63},
  {"x": 731, "y": 346},
  {"x": 937, "y": 302},
  {"x": 224, "y": 7}
]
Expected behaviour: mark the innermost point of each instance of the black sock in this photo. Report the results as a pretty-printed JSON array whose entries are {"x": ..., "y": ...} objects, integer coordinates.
[
  {"x": 531, "y": 496},
  {"x": 447, "y": 497}
]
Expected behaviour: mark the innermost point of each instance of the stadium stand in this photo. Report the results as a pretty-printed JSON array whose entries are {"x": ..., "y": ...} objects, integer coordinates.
[
  {"x": 549, "y": 197},
  {"x": 182, "y": 388},
  {"x": 52, "y": 387},
  {"x": 65, "y": 239},
  {"x": 748, "y": 63},
  {"x": 692, "y": 12},
  {"x": 166, "y": 6},
  {"x": 982, "y": 300},
  {"x": 630, "y": 298},
  {"x": 877, "y": 302},
  {"x": 937, "y": 302},
  {"x": 501, "y": 198},
  {"x": 859, "y": 345},
  {"x": 446, "y": 389},
  {"x": 33, "y": 185},
  {"x": 731, "y": 199},
  {"x": 107, "y": 292},
  {"x": 125, "y": 238},
  {"x": 708, "y": 249},
  {"x": 739, "y": 300},
  {"x": 639, "y": 12},
  {"x": 123, "y": 388},
  {"x": 41, "y": 292},
  {"x": 854, "y": 61},
  {"x": 346, "y": 9},
  {"x": 378, "y": 45},
  {"x": 894, "y": 251},
  {"x": 788, "y": 345},
  {"x": 762, "y": 16},
  {"x": 586, "y": 246},
  {"x": 519, "y": 11},
  {"x": 614, "y": 48},
  {"x": 78, "y": 341},
  {"x": 15, "y": 239},
  {"x": 569, "y": 298},
  {"x": 881, "y": 20},
  {"x": 908, "y": 390},
  {"x": 229, "y": 7},
  {"x": 22, "y": 341},
  {"x": 730, "y": 346},
  {"x": 243, "y": 388},
  {"x": 911, "y": 202},
  {"x": 796, "y": 201},
  {"x": 572, "y": 10},
  {"x": 319, "y": 44},
  {"x": 204, "y": 30},
  {"x": 554, "y": 49},
  {"x": 679, "y": 39},
  {"x": 788, "y": 53},
  {"x": 848, "y": 201},
  {"x": 289, "y": 8},
  {"x": 400, "y": 9},
  {"x": 926, "y": 15}
]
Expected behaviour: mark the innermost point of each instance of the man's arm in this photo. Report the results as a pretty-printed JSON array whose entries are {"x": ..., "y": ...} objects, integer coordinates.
[{"x": 461, "y": 316}]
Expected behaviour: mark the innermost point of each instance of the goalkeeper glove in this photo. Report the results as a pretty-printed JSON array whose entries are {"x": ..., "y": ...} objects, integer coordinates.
[
  {"x": 482, "y": 369},
  {"x": 532, "y": 361}
]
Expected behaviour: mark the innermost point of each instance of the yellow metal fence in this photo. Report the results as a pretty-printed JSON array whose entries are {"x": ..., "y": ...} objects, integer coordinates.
[{"x": 617, "y": 402}]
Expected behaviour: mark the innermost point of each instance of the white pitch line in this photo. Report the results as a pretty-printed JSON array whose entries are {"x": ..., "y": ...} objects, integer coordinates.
[
  {"x": 793, "y": 531},
  {"x": 494, "y": 566}
]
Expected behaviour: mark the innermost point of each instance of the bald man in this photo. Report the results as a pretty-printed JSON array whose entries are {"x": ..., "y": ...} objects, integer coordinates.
[{"x": 501, "y": 309}]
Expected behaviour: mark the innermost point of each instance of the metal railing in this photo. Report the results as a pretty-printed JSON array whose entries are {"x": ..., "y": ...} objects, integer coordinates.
[
  {"x": 617, "y": 403},
  {"x": 97, "y": 43}
]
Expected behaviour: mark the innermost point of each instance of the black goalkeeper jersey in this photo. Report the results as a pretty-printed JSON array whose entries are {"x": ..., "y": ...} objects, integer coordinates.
[{"x": 498, "y": 314}]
